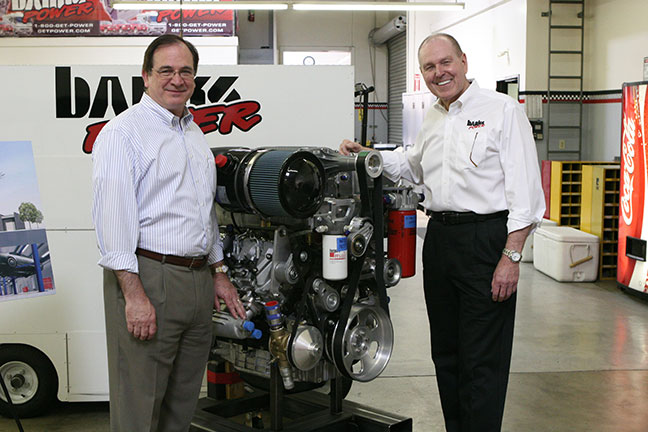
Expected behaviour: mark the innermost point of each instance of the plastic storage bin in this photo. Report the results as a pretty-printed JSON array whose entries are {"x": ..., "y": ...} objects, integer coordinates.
[
  {"x": 527, "y": 250},
  {"x": 566, "y": 254}
]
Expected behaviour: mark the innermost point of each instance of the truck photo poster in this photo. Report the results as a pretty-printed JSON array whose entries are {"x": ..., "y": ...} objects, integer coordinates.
[
  {"x": 25, "y": 268},
  {"x": 25, "y": 18}
]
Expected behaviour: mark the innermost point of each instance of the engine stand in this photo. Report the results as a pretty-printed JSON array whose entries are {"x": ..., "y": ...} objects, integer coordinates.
[{"x": 310, "y": 411}]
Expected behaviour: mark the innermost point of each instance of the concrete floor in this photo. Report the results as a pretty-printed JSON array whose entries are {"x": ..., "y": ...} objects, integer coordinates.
[{"x": 580, "y": 363}]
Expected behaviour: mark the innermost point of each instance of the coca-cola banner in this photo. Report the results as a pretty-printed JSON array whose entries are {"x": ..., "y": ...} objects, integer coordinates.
[
  {"x": 632, "y": 268},
  {"x": 25, "y": 18}
]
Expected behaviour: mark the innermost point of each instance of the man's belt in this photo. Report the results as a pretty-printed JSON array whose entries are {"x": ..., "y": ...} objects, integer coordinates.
[
  {"x": 191, "y": 262},
  {"x": 454, "y": 218}
]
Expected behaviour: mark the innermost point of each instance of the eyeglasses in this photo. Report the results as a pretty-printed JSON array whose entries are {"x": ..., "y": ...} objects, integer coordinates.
[{"x": 167, "y": 73}]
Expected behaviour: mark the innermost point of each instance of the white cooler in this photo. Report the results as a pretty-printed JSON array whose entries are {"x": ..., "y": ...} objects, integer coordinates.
[
  {"x": 566, "y": 254},
  {"x": 527, "y": 250}
]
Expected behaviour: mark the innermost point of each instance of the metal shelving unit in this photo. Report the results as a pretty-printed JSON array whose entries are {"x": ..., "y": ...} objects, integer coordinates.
[
  {"x": 567, "y": 191},
  {"x": 600, "y": 213}
]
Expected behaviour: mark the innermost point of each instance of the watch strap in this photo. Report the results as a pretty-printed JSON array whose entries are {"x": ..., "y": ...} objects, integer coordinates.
[
  {"x": 220, "y": 269},
  {"x": 513, "y": 255}
]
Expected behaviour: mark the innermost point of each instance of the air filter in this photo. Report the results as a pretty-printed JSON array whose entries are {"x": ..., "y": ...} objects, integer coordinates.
[{"x": 286, "y": 183}]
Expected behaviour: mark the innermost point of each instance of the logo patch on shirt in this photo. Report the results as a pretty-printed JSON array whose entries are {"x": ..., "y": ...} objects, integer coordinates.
[{"x": 474, "y": 124}]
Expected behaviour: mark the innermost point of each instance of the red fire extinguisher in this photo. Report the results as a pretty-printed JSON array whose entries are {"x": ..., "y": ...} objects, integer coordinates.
[{"x": 401, "y": 231}]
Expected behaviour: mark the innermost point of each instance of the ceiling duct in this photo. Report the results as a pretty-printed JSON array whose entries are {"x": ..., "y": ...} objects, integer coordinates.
[{"x": 394, "y": 27}]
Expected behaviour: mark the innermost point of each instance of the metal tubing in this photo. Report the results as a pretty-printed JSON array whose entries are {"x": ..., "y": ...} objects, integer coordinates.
[
  {"x": 336, "y": 395},
  {"x": 276, "y": 398},
  {"x": 37, "y": 264},
  {"x": 365, "y": 114}
]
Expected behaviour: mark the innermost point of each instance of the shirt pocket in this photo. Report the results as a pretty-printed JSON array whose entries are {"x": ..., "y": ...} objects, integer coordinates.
[
  {"x": 205, "y": 158},
  {"x": 209, "y": 170},
  {"x": 472, "y": 149}
]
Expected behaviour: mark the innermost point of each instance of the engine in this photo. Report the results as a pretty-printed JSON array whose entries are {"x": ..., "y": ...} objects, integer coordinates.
[{"x": 303, "y": 237}]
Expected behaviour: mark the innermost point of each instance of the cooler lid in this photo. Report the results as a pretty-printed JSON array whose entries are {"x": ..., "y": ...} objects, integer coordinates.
[
  {"x": 567, "y": 234},
  {"x": 548, "y": 222}
]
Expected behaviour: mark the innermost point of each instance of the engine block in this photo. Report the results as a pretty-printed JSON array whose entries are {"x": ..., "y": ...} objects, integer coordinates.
[{"x": 303, "y": 235}]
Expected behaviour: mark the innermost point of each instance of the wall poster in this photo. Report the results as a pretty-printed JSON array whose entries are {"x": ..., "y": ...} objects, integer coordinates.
[
  {"x": 25, "y": 268},
  {"x": 25, "y": 18}
]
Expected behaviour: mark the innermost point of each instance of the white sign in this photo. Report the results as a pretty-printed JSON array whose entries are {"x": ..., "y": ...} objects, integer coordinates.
[{"x": 61, "y": 109}]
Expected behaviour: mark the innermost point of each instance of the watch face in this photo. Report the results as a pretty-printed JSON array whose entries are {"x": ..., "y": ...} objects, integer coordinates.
[
  {"x": 221, "y": 269},
  {"x": 515, "y": 256}
]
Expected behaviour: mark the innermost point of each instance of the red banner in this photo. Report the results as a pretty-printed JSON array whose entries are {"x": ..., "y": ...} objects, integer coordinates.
[{"x": 25, "y": 18}]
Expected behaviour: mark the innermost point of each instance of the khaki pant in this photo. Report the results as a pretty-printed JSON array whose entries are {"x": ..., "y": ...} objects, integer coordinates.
[{"x": 155, "y": 384}]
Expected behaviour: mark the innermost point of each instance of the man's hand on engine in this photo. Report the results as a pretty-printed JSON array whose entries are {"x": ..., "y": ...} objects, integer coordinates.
[
  {"x": 347, "y": 147},
  {"x": 223, "y": 289}
]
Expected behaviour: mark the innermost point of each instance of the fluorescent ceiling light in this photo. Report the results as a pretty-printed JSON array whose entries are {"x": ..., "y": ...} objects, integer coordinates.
[
  {"x": 313, "y": 6},
  {"x": 378, "y": 6},
  {"x": 227, "y": 5}
]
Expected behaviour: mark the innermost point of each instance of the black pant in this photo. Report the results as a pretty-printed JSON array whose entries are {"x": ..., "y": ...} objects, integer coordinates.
[{"x": 471, "y": 335}]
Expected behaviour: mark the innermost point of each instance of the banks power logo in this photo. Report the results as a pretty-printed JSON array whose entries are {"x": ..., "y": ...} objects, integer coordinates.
[
  {"x": 216, "y": 108},
  {"x": 43, "y": 10},
  {"x": 474, "y": 124}
]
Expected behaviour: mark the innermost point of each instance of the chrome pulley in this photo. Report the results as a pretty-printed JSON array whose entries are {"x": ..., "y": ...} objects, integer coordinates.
[
  {"x": 307, "y": 348},
  {"x": 366, "y": 344}
]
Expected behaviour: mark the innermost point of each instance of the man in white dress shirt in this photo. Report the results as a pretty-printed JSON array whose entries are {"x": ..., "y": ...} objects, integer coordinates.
[
  {"x": 154, "y": 182},
  {"x": 477, "y": 160}
]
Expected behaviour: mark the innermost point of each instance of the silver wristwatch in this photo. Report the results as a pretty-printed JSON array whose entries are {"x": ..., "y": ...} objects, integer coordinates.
[
  {"x": 220, "y": 269},
  {"x": 513, "y": 255}
]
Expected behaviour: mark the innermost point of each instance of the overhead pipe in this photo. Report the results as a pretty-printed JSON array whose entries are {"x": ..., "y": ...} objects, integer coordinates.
[{"x": 394, "y": 27}]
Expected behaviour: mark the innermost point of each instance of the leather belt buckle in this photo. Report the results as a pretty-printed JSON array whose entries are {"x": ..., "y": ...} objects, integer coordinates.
[
  {"x": 450, "y": 218},
  {"x": 189, "y": 262},
  {"x": 197, "y": 261}
]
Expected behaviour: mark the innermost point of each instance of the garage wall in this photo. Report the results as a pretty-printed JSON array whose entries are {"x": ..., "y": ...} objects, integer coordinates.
[
  {"x": 310, "y": 29},
  {"x": 492, "y": 33},
  {"x": 104, "y": 50},
  {"x": 602, "y": 132},
  {"x": 294, "y": 29},
  {"x": 256, "y": 35},
  {"x": 616, "y": 39},
  {"x": 615, "y": 45}
]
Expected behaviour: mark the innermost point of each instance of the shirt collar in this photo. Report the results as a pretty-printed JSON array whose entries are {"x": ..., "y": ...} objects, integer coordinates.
[
  {"x": 166, "y": 115},
  {"x": 465, "y": 97}
]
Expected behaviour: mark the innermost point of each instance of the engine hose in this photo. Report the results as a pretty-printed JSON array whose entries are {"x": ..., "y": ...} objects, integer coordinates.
[
  {"x": 378, "y": 217},
  {"x": 11, "y": 405},
  {"x": 365, "y": 209},
  {"x": 371, "y": 207}
]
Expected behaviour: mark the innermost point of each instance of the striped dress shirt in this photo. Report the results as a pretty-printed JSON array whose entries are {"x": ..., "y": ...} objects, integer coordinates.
[{"x": 154, "y": 181}]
